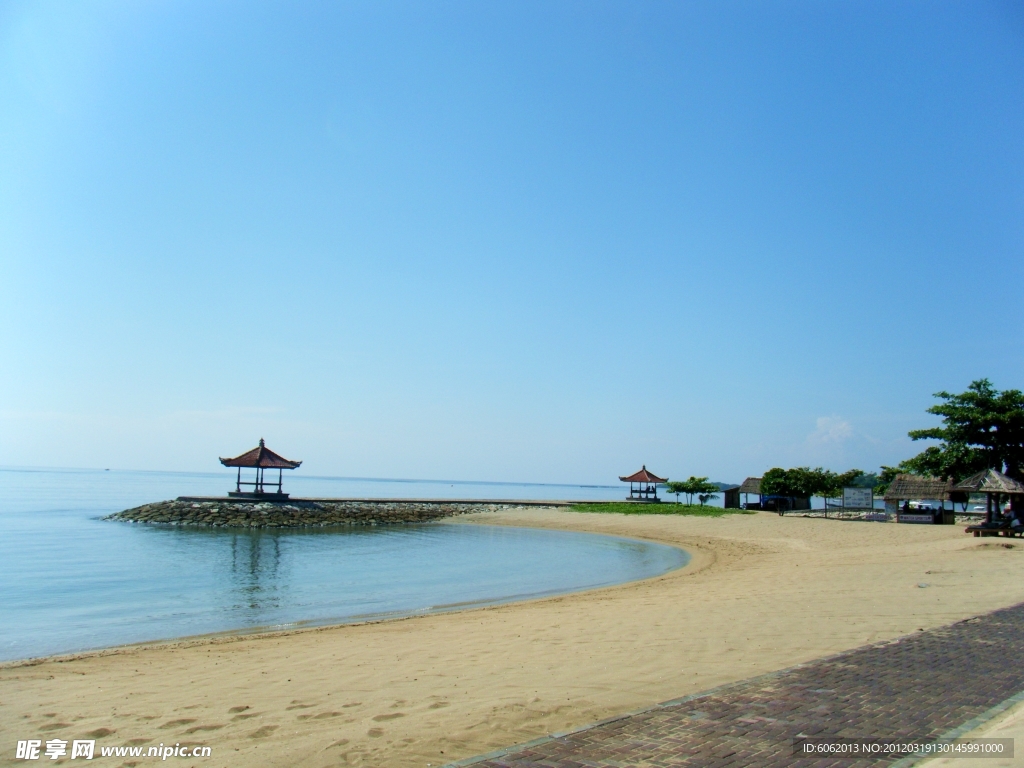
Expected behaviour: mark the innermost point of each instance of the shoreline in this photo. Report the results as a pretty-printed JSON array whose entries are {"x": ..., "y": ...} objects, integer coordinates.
[
  {"x": 761, "y": 593},
  {"x": 316, "y": 625}
]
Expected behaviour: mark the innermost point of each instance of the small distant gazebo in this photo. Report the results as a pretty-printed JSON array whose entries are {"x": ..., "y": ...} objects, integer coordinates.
[
  {"x": 643, "y": 485},
  {"x": 261, "y": 459}
]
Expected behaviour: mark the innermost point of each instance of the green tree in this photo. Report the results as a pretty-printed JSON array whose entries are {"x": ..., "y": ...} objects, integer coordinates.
[
  {"x": 832, "y": 484},
  {"x": 804, "y": 482},
  {"x": 982, "y": 428},
  {"x": 864, "y": 479},
  {"x": 853, "y": 478},
  {"x": 776, "y": 482},
  {"x": 694, "y": 486},
  {"x": 710, "y": 492},
  {"x": 799, "y": 481},
  {"x": 826, "y": 483},
  {"x": 887, "y": 475},
  {"x": 677, "y": 487},
  {"x": 704, "y": 489}
]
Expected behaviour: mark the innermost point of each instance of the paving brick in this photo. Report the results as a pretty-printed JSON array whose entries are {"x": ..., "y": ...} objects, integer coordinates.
[{"x": 921, "y": 686}]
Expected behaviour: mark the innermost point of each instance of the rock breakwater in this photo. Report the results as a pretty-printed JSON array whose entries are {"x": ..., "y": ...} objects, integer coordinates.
[{"x": 294, "y": 513}]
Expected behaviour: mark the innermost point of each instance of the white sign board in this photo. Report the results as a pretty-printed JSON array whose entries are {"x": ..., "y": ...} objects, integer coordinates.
[
  {"x": 858, "y": 498},
  {"x": 901, "y": 518}
]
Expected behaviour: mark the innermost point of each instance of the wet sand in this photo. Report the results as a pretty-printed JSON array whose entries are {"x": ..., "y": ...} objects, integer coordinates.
[{"x": 761, "y": 593}]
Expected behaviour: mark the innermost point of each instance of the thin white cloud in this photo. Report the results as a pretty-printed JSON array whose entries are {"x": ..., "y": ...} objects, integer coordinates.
[{"x": 831, "y": 429}]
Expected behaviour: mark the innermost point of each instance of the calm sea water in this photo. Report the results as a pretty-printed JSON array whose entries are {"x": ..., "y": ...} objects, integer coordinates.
[{"x": 70, "y": 581}]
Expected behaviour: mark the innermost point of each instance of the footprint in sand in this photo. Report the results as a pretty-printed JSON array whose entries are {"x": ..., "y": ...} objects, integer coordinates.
[
  {"x": 176, "y": 723},
  {"x": 392, "y": 716},
  {"x": 300, "y": 706},
  {"x": 197, "y": 728},
  {"x": 263, "y": 732},
  {"x": 438, "y": 705},
  {"x": 353, "y": 704},
  {"x": 136, "y": 742},
  {"x": 375, "y": 733},
  {"x": 99, "y": 733},
  {"x": 237, "y": 709},
  {"x": 325, "y": 715},
  {"x": 245, "y": 716}
]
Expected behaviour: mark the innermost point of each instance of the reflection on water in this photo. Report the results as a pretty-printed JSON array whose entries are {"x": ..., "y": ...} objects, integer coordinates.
[
  {"x": 70, "y": 581},
  {"x": 256, "y": 558}
]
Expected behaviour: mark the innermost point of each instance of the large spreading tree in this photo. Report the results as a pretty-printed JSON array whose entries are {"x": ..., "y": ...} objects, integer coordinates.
[{"x": 982, "y": 428}]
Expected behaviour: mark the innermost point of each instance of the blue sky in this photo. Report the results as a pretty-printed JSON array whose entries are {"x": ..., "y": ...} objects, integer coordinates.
[{"x": 527, "y": 241}]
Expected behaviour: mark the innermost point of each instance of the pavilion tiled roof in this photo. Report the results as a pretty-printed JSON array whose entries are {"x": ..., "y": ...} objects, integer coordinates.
[
  {"x": 643, "y": 476},
  {"x": 262, "y": 457}
]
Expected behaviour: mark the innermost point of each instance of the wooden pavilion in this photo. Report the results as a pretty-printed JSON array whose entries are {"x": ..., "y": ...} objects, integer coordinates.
[
  {"x": 261, "y": 459},
  {"x": 994, "y": 485},
  {"x": 643, "y": 485}
]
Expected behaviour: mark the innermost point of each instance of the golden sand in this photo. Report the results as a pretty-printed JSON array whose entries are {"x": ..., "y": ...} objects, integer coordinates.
[{"x": 762, "y": 593}]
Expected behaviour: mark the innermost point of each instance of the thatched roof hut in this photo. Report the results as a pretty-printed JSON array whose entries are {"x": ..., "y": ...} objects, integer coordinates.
[
  {"x": 751, "y": 485},
  {"x": 993, "y": 484},
  {"x": 990, "y": 481},
  {"x": 904, "y": 487}
]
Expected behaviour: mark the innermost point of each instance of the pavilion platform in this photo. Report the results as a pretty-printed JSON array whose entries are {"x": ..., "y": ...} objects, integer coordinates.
[{"x": 238, "y": 512}]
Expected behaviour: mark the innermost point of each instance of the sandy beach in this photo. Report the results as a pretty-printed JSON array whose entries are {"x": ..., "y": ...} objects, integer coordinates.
[{"x": 761, "y": 593}]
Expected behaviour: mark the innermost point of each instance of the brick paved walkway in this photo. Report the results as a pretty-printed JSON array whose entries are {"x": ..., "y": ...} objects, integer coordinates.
[{"x": 922, "y": 686}]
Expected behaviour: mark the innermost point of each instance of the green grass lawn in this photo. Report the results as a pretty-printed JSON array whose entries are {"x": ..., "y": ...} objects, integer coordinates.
[{"x": 664, "y": 508}]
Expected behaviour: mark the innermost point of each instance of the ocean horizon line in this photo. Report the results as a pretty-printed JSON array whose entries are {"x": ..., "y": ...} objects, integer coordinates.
[{"x": 337, "y": 478}]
